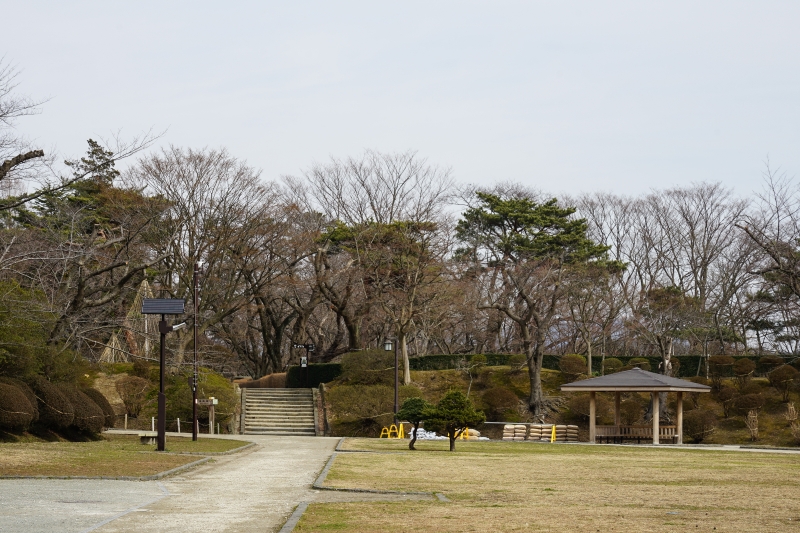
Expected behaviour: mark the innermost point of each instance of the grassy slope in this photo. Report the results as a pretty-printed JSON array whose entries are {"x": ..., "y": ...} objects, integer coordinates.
[
  {"x": 774, "y": 429},
  {"x": 500, "y": 486},
  {"x": 117, "y": 455}
]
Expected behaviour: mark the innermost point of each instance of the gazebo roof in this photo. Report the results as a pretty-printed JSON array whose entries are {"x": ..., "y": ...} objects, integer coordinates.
[{"x": 635, "y": 380}]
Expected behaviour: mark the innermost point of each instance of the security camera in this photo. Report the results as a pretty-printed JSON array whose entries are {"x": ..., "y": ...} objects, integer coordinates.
[{"x": 176, "y": 327}]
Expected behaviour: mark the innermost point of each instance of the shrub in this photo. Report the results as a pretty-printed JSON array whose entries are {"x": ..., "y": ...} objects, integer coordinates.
[
  {"x": 452, "y": 415},
  {"x": 413, "y": 410},
  {"x": 517, "y": 362},
  {"x": 88, "y": 416},
  {"x": 695, "y": 396},
  {"x": 141, "y": 368},
  {"x": 498, "y": 402},
  {"x": 748, "y": 402},
  {"x": 27, "y": 391},
  {"x": 768, "y": 363},
  {"x": 55, "y": 411},
  {"x": 579, "y": 406},
  {"x": 698, "y": 424},
  {"x": 360, "y": 410},
  {"x": 572, "y": 366},
  {"x": 719, "y": 367},
  {"x": 133, "y": 392},
  {"x": 210, "y": 384},
  {"x": 640, "y": 362},
  {"x": 371, "y": 367},
  {"x": 102, "y": 402},
  {"x": 743, "y": 369},
  {"x": 16, "y": 412},
  {"x": 409, "y": 391},
  {"x": 630, "y": 412},
  {"x": 611, "y": 365},
  {"x": 726, "y": 397},
  {"x": 782, "y": 379}
]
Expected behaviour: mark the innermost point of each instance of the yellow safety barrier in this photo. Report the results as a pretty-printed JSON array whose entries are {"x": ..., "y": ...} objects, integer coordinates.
[
  {"x": 392, "y": 432},
  {"x": 464, "y": 434},
  {"x": 553, "y": 434}
]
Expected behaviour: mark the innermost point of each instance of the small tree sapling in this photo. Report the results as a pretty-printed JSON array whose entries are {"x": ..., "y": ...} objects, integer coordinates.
[
  {"x": 413, "y": 410},
  {"x": 453, "y": 415}
]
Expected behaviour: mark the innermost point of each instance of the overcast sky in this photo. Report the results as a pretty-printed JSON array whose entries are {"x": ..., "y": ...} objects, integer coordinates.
[{"x": 563, "y": 96}]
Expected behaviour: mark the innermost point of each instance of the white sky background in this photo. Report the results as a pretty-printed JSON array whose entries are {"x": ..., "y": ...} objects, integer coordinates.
[{"x": 563, "y": 96}]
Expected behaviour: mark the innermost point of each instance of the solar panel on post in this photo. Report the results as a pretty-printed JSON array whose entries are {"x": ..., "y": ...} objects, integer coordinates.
[{"x": 162, "y": 306}]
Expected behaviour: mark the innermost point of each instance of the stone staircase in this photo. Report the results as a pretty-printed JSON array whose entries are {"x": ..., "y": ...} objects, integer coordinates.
[{"x": 278, "y": 412}]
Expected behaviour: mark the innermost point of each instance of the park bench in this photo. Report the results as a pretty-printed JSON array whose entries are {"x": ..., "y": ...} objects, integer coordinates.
[
  {"x": 150, "y": 437},
  {"x": 640, "y": 434}
]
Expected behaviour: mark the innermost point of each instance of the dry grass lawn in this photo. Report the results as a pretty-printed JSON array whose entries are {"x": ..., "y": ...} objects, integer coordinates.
[
  {"x": 499, "y": 486},
  {"x": 116, "y": 455}
]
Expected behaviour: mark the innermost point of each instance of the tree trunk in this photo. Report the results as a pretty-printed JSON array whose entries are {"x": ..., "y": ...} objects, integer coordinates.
[
  {"x": 452, "y": 435},
  {"x": 536, "y": 400},
  {"x": 414, "y": 438},
  {"x": 406, "y": 367}
]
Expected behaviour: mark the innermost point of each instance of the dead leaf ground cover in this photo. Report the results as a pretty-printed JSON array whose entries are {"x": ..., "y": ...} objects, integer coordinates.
[
  {"x": 539, "y": 487},
  {"x": 116, "y": 455}
]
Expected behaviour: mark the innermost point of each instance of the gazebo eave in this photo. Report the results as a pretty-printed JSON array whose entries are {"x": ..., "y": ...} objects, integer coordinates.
[{"x": 568, "y": 388}]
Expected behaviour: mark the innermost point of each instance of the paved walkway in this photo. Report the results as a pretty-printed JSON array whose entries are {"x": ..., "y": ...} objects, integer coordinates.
[{"x": 255, "y": 490}]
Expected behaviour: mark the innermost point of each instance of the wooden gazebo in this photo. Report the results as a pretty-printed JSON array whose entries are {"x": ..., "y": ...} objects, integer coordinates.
[{"x": 635, "y": 380}]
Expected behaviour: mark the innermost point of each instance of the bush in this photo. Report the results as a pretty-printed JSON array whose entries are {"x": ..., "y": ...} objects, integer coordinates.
[
  {"x": 110, "y": 417},
  {"x": 768, "y": 363},
  {"x": 782, "y": 379},
  {"x": 517, "y": 362},
  {"x": 743, "y": 369},
  {"x": 498, "y": 402},
  {"x": 371, "y": 367},
  {"x": 313, "y": 375},
  {"x": 209, "y": 384},
  {"x": 55, "y": 411},
  {"x": 360, "y": 410},
  {"x": 27, "y": 391},
  {"x": 141, "y": 368},
  {"x": 579, "y": 406},
  {"x": 719, "y": 367},
  {"x": 630, "y": 412},
  {"x": 88, "y": 416},
  {"x": 748, "y": 402},
  {"x": 133, "y": 392},
  {"x": 452, "y": 415},
  {"x": 611, "y": 365},
  {"x": 698, "y": 424},
  {"x": 640, "y": 362},
  {"x": 572, "y": 366},
  {"x": 16, "y": 412},
  {"x": 727, "y": 396}
]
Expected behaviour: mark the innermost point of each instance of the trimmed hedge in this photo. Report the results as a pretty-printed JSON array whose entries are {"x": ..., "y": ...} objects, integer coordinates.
[
  {"x": 16, "y": 412},
  {"x": 27, "y": 391},
  {"x": 88, "y": 416},
  {"x": 55, "y": 410},
  {"x": 102, "y": 402},
  {"x": 315, "y": 374}
]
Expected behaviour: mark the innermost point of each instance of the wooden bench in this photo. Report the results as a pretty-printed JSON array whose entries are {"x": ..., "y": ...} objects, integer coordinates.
[
  {"x": 151, "y": 437},
  {"x": 640, "y": 434}
]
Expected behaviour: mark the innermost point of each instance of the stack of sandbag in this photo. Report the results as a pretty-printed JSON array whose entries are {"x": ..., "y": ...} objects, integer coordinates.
[
  {"x": 514, "y": 432},
  {"x": 544, "y": 433}
]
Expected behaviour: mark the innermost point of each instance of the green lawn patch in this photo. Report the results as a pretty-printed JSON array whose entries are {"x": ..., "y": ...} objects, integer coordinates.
[{"x": 114, "y": 455}]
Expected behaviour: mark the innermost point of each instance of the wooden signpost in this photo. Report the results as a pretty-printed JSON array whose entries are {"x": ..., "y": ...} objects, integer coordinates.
[{"x": 210, "y": 402}]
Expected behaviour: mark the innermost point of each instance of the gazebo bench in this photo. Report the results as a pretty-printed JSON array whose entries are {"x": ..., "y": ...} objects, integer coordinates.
[{"x": 639, "y": 434}]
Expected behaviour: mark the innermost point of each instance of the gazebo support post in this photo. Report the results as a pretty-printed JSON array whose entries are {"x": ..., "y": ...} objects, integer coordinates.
[
  {"x": 616, "y": 409},
  {"x": 656, "y": 408},
  {"x": 592, "y": 413},
  {"x": 680, "y": 418}
]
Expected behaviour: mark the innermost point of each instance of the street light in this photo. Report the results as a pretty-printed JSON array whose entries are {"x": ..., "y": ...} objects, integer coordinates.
[
  {"x": 388, "y": 345},
  {"x": 163, "y": 307}
]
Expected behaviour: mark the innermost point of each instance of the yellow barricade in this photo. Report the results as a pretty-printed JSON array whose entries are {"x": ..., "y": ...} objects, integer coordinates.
[
  {"x": 385, "y": 433},
  {"x": 553, "y": 434}
]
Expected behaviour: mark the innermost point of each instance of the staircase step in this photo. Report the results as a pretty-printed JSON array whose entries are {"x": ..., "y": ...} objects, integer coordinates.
[{"x": 279, "y": 412}]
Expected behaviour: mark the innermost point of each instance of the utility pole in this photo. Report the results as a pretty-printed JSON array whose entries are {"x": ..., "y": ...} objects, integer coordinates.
[{"x": 194, "y": 375}]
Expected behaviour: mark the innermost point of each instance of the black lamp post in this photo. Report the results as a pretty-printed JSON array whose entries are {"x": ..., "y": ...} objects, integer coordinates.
[
  {"x": 163, "y": 307},
  {"x": 194, "y": 374},
  {"x": 388, "y": 345}
]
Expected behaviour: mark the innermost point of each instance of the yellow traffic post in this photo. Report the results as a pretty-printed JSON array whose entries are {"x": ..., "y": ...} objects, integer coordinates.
[{"x": 553, "y": 434}]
